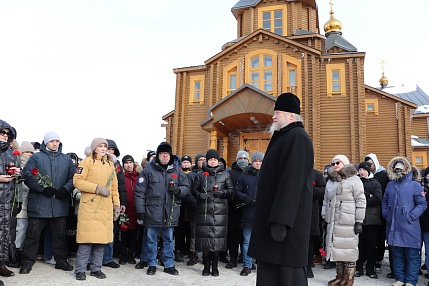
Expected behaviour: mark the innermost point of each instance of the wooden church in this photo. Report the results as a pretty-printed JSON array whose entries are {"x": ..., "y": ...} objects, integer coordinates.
[{"x": 227, "y": 103}]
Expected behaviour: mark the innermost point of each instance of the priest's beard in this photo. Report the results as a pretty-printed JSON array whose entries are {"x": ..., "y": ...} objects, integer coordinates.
[{"x": 276, "y": 126}]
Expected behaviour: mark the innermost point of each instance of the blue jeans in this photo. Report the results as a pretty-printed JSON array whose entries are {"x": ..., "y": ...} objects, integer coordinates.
[
  {"x": 143, "y": 254},
  {"x": 247, "y": 260},
  {"x": 167, "y": 245},
  {"x": 406, "y": 264},
  {"x": 108, "y": 253}
]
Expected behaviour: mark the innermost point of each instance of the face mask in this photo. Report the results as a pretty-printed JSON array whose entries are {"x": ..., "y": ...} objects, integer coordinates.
[{"x": 242, "y": 163}]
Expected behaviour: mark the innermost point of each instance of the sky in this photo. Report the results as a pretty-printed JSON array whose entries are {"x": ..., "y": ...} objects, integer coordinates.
[{"x": 104, "y": 68}]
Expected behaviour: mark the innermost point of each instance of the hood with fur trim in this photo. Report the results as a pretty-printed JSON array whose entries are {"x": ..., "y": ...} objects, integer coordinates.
[
  {"x": 346, "y": 172},
  {"x": 391, "y": 168}
]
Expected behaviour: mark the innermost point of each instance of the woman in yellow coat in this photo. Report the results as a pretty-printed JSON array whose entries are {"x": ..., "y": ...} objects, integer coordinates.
[{"x": 96, "y": 178}]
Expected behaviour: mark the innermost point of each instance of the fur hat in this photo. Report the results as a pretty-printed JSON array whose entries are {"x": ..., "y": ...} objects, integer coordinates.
[
  {"x": 212, "y": 154},
  {"x": 186, "y": 158},
  {"x": 164, "y": 147},
  {"x": 401, "y": 163},
  {"x": 288, "y": 102},
  {"x": 49, "y": 136},
  {"x": 341, "y": 158},
  {"x": 150, "y": 154},
  {"x": 366, "y": 166},
  {"x": 241, "y": 154},
  {"x": 127, "y": 158},
  {"x": 26, "y": 147},
  {"x": 257, "y": 156}
]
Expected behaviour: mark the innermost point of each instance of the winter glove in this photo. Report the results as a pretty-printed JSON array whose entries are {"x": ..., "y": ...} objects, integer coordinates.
[
  {"x": 278, "y": 231},
  {"x": 202, "y": 196},
  {"x": 218, "y": 194},
  {"x": 358, "y": 227},
  {"x": 174, "y": 190},
  {"x": 49, "y": 192},
  {"x": 324, "y": 224},
  {"x": 248, "y": 201},
  {"x": 61, "y": 194},
  {"x": 103, "y": 191},
  {"x": 140, "y": 219},
  {"x": 116, "y": 212}
]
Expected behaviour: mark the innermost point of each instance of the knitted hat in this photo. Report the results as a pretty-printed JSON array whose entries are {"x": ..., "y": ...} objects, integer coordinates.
[
  {"x": 96, "y": 142},
  {"x": 186, "y": 158},
  {"x": 288, "y": 102},
  {"x": 164, "y": 147},
  {"x": 198, "y": 156},
  {"x": 127, "y": 158},
  {"x": 150, "y": 154},
  {"x": 212, "y": 154},
  {"x": 257, "y": 156},
  {"x": 366, "y": 166},
  {"x": 341, "y": 158},
  {"x": 26, "y": 147},
  {"x": 241, "y": 154},
  {"x": 49, "y": 136}
]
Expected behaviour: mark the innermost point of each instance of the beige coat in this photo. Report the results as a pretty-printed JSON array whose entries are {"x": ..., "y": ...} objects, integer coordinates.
[
  {"x": 95, "y": 216},
  {"x": 343, "y": 205}
]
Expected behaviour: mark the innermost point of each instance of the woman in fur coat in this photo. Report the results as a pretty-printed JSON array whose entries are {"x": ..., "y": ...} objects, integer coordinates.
[{"x": 343, "y": 210}]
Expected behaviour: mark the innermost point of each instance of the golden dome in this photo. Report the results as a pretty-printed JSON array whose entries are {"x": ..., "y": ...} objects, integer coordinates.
[
  {"x": 333, "y": 25},
  {"x": 384, "y": 81}
]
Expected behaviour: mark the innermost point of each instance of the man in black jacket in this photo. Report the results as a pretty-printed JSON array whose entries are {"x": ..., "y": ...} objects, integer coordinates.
[{"x": 281, "y": 227}]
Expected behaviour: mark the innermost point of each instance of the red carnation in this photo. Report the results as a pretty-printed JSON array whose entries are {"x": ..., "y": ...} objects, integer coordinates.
[
  {"x": 124, "y": 227},
  {"x": 174, "y": 176},
  {"x": 314, "y": 183},
  {"x": 16, "y": 153},
  {"x": 206, "y": 174},
  {"x": 322, "y": 252},
  {"x": 34, "y": 171}
]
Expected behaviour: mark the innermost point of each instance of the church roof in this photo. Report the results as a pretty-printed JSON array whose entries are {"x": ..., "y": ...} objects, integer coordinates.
[
  {"x": 335, "y": 39},
  {"x": 417, "y": 96}
]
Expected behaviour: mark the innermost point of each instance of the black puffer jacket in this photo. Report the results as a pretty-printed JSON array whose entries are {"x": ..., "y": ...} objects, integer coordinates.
[
  {"x": 372, "y": 189},
  {"x": 246, "y": 187},
  {"x": 212, "y": 213}
]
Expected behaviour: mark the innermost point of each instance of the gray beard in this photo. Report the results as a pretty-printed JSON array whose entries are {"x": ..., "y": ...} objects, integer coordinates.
[{"x": 274, "y": 127}]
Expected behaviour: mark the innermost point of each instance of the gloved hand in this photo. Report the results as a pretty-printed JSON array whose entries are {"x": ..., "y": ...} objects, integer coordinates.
[
  {"x": 49, "y": 192},
  {"x": 61, "y": 194},
  {"x": 19, "y": 208},
  {"x": 324, "y": 224},
  {"x": 203, "y": 196},
  {"x": 248, "y": 201},
  {"x": 116, "y": 212},
  {"x": 174, "y": 190},
  {"x": 278, "y": 231},
  {"x": 358, "y": 227},
  {"x": 100, "y": 190},
  {"x": 218, "y": 194},
  {"x": 140, "y": 219}
]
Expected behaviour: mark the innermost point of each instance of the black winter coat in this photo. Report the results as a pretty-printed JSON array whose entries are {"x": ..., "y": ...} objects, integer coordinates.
[
  {"x": 284, "y": 196},
  {"x": 319, "y": 184},
  {"x": 246, "y": 187},
  {"x": 212, "y": 213},
  {"x": 372, "y": 189}
]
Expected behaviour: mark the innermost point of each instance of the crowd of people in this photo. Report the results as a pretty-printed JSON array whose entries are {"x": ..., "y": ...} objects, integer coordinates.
[{"x": 270, "y": 210}]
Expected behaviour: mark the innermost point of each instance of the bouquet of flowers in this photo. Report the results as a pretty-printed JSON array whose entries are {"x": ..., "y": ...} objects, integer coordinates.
[
  {"x": 124, "y": 222},
  {"x": 44, "y": 181},
  {"x": 206, "y": 174},
  {"x": 172, "y": 183}
]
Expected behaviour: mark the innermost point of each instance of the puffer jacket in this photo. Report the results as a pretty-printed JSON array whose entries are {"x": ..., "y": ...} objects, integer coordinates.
[
  {"x": 246, "y": 186},
  {"x": 372, "y": 189},
  {"x": 212, "y": 213},
  {"x": 95, "y": 215},
  {"x": 60, "y": 169},
  {"x": 152, "y": 197},
  {"x": 343, "y": 205},
  {"x": 403, "y": 203}
]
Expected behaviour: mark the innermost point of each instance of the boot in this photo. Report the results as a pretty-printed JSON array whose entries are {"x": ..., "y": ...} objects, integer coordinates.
[
  {"x": 206, "y": 262},
  {"x": 193, "y": 258},
  {"x": 339, "y": 277},
  {"x": 349, "y": 274},
  {"x": 215, "y": 261}
]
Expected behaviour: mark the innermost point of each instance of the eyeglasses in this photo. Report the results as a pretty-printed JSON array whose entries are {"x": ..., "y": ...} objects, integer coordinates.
[
  {"x": 5, "y": 133},
  {"x": 335, "y": 163}
]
